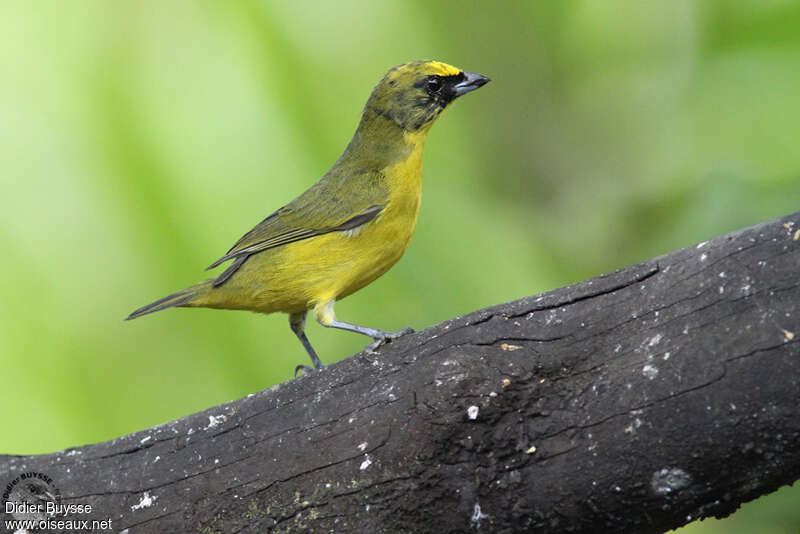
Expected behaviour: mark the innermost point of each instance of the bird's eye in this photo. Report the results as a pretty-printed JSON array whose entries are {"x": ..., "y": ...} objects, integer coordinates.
[{"x": 434, "y": 84}]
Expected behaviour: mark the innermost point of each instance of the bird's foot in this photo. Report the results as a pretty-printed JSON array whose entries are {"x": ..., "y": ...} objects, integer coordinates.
[
  {"x": 386, "y": 337},
  {"x": 306, "y": 369}
]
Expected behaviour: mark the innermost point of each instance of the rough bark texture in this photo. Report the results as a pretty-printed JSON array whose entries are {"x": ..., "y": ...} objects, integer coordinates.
[{"x": 633, "y": 402}]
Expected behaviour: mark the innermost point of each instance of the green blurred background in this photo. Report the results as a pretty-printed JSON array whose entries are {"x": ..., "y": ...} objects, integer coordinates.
[{"x": 140, "y": 139}]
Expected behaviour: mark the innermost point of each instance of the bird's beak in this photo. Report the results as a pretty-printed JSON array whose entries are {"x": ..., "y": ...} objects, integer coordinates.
[{"x": 470, "y": 82}]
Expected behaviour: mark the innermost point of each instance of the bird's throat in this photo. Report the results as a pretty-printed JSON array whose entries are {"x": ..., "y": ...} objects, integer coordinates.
[{"x": 381, "y": 143}]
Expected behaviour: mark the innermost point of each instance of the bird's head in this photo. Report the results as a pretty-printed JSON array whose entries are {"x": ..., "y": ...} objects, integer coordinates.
[{"x": 414, "y": 94}]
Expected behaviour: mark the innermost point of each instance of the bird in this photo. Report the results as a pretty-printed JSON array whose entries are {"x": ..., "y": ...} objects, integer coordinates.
[{"x": 348, "y": 228}]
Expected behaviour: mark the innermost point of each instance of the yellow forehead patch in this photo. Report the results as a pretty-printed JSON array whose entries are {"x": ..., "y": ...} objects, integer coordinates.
[
  {"x": 443, "y": 69},
  {"x": 412, "y": 70}
]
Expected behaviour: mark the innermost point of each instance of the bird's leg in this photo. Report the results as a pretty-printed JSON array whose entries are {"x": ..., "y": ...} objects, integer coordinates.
[
  {"x": 297, "y": 322},
  {"x": 326, "y": 317},
  {"x": 379, "y": 336}
]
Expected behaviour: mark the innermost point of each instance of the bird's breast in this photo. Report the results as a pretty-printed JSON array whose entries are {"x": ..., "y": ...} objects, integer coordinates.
[
  {"x": 399, "y": 218},
  {"x": 379, "y": 243}
]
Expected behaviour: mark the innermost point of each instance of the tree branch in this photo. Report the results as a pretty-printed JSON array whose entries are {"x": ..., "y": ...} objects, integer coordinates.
[{"x": 632, "y": 402}]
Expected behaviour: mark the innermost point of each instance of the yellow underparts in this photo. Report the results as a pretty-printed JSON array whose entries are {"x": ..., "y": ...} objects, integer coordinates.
[{"x": 314, "y": 273}]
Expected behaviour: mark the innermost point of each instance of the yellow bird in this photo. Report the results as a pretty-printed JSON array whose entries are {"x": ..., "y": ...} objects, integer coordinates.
[{"x": 348, "y": 228}]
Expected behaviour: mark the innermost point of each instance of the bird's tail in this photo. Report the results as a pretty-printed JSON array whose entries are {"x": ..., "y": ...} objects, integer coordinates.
[{"x": 185, "y": 297}]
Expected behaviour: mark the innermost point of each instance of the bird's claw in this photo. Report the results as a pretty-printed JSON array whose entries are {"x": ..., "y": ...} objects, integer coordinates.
[
  {"x": 387, "y": 337},
  {"x": 306, "y": 369}
]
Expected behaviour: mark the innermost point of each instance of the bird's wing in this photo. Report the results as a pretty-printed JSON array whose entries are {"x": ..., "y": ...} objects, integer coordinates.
[{"x": 324, "y": 208}]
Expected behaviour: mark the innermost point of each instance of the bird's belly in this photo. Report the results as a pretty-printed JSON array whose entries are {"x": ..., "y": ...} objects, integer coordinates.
[
  {"x": 340, "y": 263},
  {"x": 380, "y": 245},
  {"x": 297, "y": 276}
]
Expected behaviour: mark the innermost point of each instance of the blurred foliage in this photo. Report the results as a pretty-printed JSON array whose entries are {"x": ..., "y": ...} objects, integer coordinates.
[{"x": 140, "y": 139}]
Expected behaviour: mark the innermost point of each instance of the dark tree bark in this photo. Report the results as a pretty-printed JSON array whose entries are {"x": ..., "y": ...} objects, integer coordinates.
[{"x": 633, "y": 402}]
